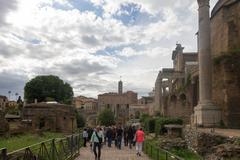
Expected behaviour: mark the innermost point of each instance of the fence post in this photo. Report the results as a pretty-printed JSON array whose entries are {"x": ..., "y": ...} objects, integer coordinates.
[
  {"x": 4, "y": 154},
  {"x": 72, "y": 146},
  {"x": 78, "y": 142},
  {"x": 53, "y": 149},
  {"x": 158, "y": 151},
  {"x": 151, "y": 147},
  {"x": 166, "y": 156}
]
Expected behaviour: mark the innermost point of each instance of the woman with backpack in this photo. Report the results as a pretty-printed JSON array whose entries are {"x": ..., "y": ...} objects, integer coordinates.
[{"x": 96, "y": 141}]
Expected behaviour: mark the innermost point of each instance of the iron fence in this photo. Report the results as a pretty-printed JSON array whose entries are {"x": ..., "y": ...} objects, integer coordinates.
[
  {"x": 157, "y": 153},
  {"x": 54, "y": 149}
]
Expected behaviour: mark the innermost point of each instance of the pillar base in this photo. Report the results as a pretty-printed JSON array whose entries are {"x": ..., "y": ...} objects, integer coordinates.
[{"x": 206, "y": 114}]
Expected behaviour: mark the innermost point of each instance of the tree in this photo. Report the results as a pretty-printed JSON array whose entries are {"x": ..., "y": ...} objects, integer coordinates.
[
  {"x": 47, "y": 87},
  {"x": 106, "y": 118},
  {"x": 80, "y": 120}
]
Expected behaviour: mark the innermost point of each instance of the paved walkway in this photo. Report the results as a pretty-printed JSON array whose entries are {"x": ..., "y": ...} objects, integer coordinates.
[{"x": 111, "y": 154}]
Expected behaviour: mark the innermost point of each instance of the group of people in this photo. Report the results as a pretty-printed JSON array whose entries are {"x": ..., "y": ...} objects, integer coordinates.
[{"x": 105, "y": 136}]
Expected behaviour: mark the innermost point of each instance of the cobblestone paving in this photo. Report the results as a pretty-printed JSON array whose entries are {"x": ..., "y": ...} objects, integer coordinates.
[{"x": 111, "y": 154}]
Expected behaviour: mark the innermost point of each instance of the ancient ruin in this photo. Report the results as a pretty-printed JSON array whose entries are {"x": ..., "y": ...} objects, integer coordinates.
[
  {"x": 3, "y": 123},
  {"x": 187, "y": 90},
  {"x": 50, "y": 117}
]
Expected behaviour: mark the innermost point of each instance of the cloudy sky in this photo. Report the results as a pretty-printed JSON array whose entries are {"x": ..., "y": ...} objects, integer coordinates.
[{"x": 91, "y": 43}]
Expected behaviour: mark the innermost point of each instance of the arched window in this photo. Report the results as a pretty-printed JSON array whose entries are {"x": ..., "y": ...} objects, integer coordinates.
[
  {"x": 173, "y": 98},
  {"x": 183, "y": 97}
]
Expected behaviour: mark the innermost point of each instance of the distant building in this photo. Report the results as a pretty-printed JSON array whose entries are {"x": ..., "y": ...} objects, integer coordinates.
[
  {"x": 88, "y": 107},
  {"x": 118, "y": 102},
  {"x": 3, "y": 102},
  {"x": 89, "y": 104}
]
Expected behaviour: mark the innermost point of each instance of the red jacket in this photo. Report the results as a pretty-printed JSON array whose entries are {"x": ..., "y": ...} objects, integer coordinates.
[{"x": 139, "y": 136}]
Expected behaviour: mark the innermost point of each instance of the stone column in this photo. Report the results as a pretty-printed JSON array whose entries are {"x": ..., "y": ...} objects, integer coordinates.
[
  {"x": 160, "y": 96},
  {"x": 207, "y": 114},
  {"x": 170, "y": 85}
]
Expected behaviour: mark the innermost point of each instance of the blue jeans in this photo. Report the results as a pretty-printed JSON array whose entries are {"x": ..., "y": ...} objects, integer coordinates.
[
  {"x": 109, "y": 142},
  {"x": 119, "y": 142}
]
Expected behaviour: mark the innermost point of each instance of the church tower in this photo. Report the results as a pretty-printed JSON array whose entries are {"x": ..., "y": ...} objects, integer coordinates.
[{"x": 120, "y": 87}]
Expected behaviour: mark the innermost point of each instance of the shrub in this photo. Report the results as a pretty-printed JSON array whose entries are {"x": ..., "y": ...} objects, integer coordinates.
[
  {"x": 149, "y": 124},
  {"x": 160, "y": 122},
  {"x": 143, "y": 117}
]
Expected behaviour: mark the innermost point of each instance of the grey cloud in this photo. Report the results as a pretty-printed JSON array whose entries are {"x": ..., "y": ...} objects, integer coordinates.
[
  {"x": 12, "y": 82},
  {"x": 8, "y": 51},
  {"x": 82, "y": 67},
  {"x": 90, "y": 40},
  {"x": 5, "y": 7}
]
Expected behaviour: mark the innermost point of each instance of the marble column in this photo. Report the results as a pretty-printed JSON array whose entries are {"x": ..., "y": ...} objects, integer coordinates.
[
  {"x": 170, "y": 85},
  {"x": 160, "y": 96},
  {"x": 207, "y": 114}
]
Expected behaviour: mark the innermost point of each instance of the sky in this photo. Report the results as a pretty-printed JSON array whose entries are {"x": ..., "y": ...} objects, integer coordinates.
[{"x": 91, "y": 43}]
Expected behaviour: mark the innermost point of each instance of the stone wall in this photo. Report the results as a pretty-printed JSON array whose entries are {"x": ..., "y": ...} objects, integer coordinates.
[
  {"x": 4, "y": 126},
  {"x": 211, "y": 146},
  {"x": 179, "y": 106},
  {"x": 225, "y": 38},
  {"x": 52, "y": 117}
]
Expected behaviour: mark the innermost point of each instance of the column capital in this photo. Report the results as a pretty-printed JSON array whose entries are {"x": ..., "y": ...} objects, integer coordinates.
[{"x": 203, "y": 3}]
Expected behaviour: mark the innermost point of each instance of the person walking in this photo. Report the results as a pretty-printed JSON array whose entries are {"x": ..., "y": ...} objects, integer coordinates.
[
  {"x": 130, "y": 136},
  {"x": 96, "y": 141},
  {"x": 125, "y": 136},
  {"x": 109, "y": 135},
  {"x": 139, "y": 141},
  {"x": 85, "y": 137},
  {"x": 134, "y": 137},
  {"x": 119, "y": 137}
]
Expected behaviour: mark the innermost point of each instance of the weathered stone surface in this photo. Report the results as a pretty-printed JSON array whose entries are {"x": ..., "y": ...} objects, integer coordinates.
[
  {"x": 168, "y": 143},
  {"x": 212, "y": 146},
  {"x": 225, "y": 38},
  {"x": 52, "y": 117},
  {"x": 4, "y": 124},
  {"x": 225, "y": 151}
]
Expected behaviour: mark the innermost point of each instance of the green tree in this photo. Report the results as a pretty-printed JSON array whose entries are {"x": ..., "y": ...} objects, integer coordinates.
[
  {"x": 106, "y": 118},
  {"x": 48, "y": 87},
  {"x": 80, "y": 120}
]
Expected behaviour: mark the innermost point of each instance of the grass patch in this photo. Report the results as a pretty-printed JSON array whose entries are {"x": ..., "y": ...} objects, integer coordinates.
[
  {"x": 21, "y": 141},
  {"x": 151, "y": 149},
  {"x": 186, "y": 154}
]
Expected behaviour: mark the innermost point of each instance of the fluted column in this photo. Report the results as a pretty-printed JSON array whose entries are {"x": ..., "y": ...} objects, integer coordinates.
[{"x": 207, "y": 114}]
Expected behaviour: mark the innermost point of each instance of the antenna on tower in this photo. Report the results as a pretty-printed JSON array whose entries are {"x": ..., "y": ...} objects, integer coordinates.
[{"x": 120, "y": 78}]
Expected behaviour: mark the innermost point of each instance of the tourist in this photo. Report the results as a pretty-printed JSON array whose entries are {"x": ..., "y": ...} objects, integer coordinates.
[
  {"x": 125, "y": 137},
  {"x": 115, "y": 135},
  {"x": 130, "y": 136},
  {"x": 103, "y": 138},
  {"x": 139, "y": 141},
  {"x": 109, "y": 136},
  {"x": 90, "y": 132},
  {"x": 105, "y": 134},
  {"x": 85, "y": 137},
  {"x": 119, "y": 137},
  {"x": 134, "y": 133},
  {"x": 96, "y": 141}
]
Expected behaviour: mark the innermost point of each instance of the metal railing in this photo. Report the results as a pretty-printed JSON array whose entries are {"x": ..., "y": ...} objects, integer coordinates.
[
  {"x": 157, "y": 153},
  {"x": 53, "y": 149}
]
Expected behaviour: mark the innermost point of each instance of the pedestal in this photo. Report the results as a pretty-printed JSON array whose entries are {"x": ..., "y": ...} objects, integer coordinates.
[{"x": 206, "y": 114}]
